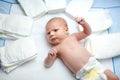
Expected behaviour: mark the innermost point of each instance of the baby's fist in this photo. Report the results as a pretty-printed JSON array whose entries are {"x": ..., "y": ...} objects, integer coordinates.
[{"x": 80, "y": 20}]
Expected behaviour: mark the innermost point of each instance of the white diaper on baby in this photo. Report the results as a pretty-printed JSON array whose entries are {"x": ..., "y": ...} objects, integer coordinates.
[
  {"x": 55, "y": 6},
  {"x": 104, "y": 46},
  {"x": 17, "y": 52},
  {"x": 93, "y": 70},
  {"x": 33, "y": 8},
  {"x": 15, "y": 26},
  {"x": 78, "y": 8}
]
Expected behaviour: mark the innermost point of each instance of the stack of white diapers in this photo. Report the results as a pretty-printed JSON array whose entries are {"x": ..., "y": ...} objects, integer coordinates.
[
  {"x": 15, "y": 26},
  {"x": 38, "y": 8},
  {"x": 104, "y": 46},
  {"x": 16, "y": 53},
  {"x": 55, "y": 6},
  {"x": 98, "y": 19},
  {"x": 78, "y": 8},
  {"x": 19, "y": 47},
  {"x": 33, "y": 8}
]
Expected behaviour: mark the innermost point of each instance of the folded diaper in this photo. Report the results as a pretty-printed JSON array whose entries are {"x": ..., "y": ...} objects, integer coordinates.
[
  {"x": 15, "y": 26},
  {"x": 33, "y": 8},
  {"x": 13, "y": 66},
  {"x": 99, "y": 20},
  {"x": 55, "y": 6},
  {"x": 78, "y": 8},
  {"x": 17, "y": 52},
  {"x": 105, "y": 46}
]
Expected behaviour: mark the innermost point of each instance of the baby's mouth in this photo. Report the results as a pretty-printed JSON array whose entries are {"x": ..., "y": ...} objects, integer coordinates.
[{"x": 54, "y": 39}]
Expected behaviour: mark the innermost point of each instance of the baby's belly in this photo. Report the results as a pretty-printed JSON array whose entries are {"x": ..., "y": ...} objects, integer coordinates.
[{"x": 75, "y": 64}]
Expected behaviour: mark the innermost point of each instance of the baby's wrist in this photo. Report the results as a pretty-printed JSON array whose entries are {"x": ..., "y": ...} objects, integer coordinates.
[{"x": 83, "y": 23}]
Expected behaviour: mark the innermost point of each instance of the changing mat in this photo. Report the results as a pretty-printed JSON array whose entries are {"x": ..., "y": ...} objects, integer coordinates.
[
  {"x": 105, "y": 46},
  {"x": 17, "y": 52},
  {"x": 15, "y": 26}
]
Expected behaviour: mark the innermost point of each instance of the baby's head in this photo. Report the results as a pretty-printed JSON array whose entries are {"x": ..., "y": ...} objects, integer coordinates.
[
  {"x": 57, "y": 21},
  {"x": 56, "y": 30}
]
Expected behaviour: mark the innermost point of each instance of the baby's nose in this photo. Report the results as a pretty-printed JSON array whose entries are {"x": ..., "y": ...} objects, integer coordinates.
[{"x": 52, "y": 33}]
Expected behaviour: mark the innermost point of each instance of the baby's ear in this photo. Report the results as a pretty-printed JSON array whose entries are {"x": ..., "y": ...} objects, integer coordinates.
[{"x": 66, "y": 28}]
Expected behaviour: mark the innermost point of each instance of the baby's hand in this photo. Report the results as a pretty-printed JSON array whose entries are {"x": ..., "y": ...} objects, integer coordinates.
[
  {"x": 80, "y": 20},
  {"x": 50, "y": 58},
  {"x": 52, "y": 52}
]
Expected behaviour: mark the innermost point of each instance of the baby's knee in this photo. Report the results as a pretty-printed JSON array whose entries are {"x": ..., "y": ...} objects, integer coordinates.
[
  {"x": 115, "y": 78},
  {"x": 110, "y": 75}
]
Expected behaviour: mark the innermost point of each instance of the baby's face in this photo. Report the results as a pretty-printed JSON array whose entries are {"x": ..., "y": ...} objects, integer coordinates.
[{"x": 55, "y": 32}]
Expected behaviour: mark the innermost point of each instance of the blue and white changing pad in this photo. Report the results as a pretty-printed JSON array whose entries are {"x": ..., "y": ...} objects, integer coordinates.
[{"x": 112, "y": 5}]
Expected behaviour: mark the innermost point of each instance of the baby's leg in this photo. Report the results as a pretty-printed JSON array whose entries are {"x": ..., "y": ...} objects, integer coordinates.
[{"x": 110, "y": 75}]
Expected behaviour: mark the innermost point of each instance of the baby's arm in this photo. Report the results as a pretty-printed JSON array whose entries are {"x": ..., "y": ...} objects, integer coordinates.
[
  {"x": 86, "y": 28},
  {"x": 50, "y": 58}
]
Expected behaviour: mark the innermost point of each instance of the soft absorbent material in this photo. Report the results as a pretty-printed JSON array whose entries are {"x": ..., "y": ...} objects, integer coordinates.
[
  {"x": 55, "y": 6},
  {"x": 17, "y": 52},
  {"x": 15, "y": 26},
  {"x": 104, "y": 46},
  {"x": 78, "y": 8},
  {"x": 33, "y": 8},
  {"x": 98, "y": 19}
]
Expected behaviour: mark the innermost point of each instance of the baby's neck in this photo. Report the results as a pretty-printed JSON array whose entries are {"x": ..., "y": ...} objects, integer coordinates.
[{"x": 62, "y": 40}]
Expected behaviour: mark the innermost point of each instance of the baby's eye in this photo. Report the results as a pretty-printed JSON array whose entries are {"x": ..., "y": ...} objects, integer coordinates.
[
  {"x": 48, "y": 33},
  {"x": 56, "y": 30}
]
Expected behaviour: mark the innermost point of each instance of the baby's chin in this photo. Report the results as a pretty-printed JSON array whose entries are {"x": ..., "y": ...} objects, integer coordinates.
[{"x": 54, "y": 43}]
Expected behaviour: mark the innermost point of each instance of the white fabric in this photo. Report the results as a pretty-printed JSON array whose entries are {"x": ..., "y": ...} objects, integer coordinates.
[
  {"x": 99, "y": 20},
  {"x": 15, "y": 26},
  {"x": 104, "y": 46},
  {"x": 17, "y": 52},
  {"x": 33, "y": 8},
  {"x": 78, "y": 8},
  {"x": 55, "y": 6},
  {"x": 83, "y": 42},
  {"x": 39, "y": 72}
]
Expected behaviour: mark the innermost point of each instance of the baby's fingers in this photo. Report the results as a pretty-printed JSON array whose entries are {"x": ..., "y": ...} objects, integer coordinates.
[
  {"x": 78, "y": 19},
  {"x": 52, "y": 52}
]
